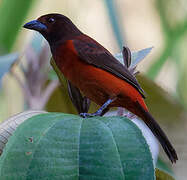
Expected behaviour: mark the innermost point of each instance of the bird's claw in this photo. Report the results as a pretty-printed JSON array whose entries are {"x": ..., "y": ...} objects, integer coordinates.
[{"x": 86, "y": 115}]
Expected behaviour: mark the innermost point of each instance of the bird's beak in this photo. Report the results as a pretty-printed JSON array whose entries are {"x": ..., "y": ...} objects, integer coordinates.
[{"x": 35, "y": 25}]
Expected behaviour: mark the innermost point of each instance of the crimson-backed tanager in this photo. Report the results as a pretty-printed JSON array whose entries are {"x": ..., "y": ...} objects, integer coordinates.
[{"x": 95, "y": 72}]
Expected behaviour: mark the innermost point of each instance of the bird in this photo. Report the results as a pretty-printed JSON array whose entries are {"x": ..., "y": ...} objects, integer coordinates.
[{"x": 92, "y": 69}]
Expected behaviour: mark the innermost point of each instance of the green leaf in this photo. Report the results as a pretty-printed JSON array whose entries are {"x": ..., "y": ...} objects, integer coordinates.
[
  {"x": 6, "y": 62},
  {"x": 140, "y": 55},
  {"x": 137, "y": 56},
  {"x": 162, "y": 175},
  {"x": 163, "y": 166},
  {"x": 157, "y": 65},
  {"x": 63, "y": 146},
  {"x": 8, "y": 127},
  {"x": 12, "y": 15}
]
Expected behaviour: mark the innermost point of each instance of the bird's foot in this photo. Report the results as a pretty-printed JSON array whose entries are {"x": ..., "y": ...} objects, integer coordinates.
[
  {"x": 88, "y": 115},
  {"x": 100, "y": 111}
]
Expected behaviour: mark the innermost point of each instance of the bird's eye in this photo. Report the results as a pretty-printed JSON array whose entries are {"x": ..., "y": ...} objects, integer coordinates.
[{"x": 51, "y": 20}]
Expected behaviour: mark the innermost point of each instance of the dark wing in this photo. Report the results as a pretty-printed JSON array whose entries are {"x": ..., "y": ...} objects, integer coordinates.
[
  {"x": 81, "y": 103},
  {"x": 93, "y": 53}
]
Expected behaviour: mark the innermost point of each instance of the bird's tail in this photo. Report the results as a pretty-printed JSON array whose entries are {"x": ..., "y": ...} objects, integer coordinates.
[{"x": 158, "y": 132}]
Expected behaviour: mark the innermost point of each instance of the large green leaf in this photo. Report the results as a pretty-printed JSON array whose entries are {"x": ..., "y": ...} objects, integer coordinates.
[
  {"x": 62, "y": 146},
  {"x": 8, "y": 127},
  {"x": 12, "y": 15}
]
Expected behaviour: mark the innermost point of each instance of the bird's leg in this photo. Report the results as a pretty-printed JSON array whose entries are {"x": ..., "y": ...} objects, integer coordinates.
[{"x": 101, "y": 111}]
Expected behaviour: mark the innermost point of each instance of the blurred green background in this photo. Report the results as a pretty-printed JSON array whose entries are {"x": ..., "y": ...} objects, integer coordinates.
[{"x": 30, "y": 84}]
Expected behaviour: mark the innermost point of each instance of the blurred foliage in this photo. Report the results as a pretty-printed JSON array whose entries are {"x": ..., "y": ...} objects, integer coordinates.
[
  {"x": 6, "y": 62},
  {"x": 181, "y": 55},
  {"x": 160, "y": 102},
  {"x": 164, "y": 167},
  {"x": 35, "y": 83},
  {"x": 162, "y": 175},
  {"x": 163, "y": 172},
  {"x": 12, "y": 15},
  {"x": 115, "y": 22},
  {"x": 60, "y": 101},
  {"x": 174, "y": 29}
]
